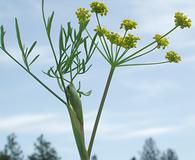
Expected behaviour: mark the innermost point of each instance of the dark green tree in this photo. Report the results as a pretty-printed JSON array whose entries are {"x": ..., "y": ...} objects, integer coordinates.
[
  {"x": 12, "y": 150},
  {"x": 133, "y": 158},
  {"x": 43, "y": 150},
  {"x": 4, "y": 156},
  {"x": 94, "y": 157},
  {"x": 169, "y": 154},
  {"x": 150, "y": 150}
]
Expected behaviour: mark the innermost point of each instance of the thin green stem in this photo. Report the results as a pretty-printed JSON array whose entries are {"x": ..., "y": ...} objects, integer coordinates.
[
  {"x": 37, "y": 79},
  {"x": 143, "y": 64},
  {"x": 103, "y": 37},
  {"x": 100, "y": 110},
  {"x": 96, "y": 45},
  {"x": 122, "y": 55},
  {"x": 143, "y": 54},
  {"x": 127, "y": 58},
  {"x": 111, "y": 49},
  {"x": 48, "y": 36},
  {"x": 107, "y": 54},
  {"x": 117, "y": 53}
]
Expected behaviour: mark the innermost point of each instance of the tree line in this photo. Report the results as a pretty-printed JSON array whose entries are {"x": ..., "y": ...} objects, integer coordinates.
[
  {"x": 43, "y": 150},
  {"x": 150, "y": 151}
]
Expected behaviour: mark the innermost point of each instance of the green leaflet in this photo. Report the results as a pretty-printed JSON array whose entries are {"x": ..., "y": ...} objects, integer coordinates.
[{"x": 75, "y": 101}]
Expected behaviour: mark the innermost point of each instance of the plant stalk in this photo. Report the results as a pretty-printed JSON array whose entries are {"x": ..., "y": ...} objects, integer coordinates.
[{"x": 100, "y": 110}]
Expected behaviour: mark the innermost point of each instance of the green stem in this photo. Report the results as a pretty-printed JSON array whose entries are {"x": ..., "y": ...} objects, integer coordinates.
[
  {"x": 100, "y": 110},
  {"x": 107, "y": 54},
  {"x": 117, "y": 53},
  {"x": 96, "y": 45},
  {"x": 144, "y": 64},
  {"x": 127, "y": 58},
  {"x": 37, "y": 79},
  {"x": 108, "y": 51},
  {"x": 143, "y": 54}
]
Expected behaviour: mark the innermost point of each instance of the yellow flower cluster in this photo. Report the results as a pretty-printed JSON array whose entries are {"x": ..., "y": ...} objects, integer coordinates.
[
  {"x": 101, "y": 31},
  {"x": 130, "y": 41},
  {"x": 128, "y": 24},
  {"x": 182, "y": 20},
  {"x": 113, "y": 37},
  {"x": 172, "y": 56},
  {"x": 127, "y": 42},
  {"x": 99, "y": 8},
  {"x": 83, "y": 15},
  {"x": 161, "y": 42}
]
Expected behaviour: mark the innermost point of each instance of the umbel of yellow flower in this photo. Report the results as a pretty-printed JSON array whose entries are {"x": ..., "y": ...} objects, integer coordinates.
[
  {"x": 101, "y": 31},
  {"x": 161, "y": 42},
  {"x": 172, "y": 56},
  {"x": 130, "y": 41},
  {"x": 128, "y": 24},
  {"x": 83, "y": 15},
  {"x": 113, "y": 37},
  {"x": 182, "y": 20},
  {"x": 99, "y": 8},
  {"x": 127, "y": 42}
]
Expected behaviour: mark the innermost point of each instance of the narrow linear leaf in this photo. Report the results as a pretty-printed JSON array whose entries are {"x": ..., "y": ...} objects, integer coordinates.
[
  {"x": 66, "y": 36},
  {"x": 75, "y": 34},
  {"x": 85, "y": 47},
  {"x": 2, "y": 38},
  {"x": 92, "y": 52},
  {"x": 68, "y": 64},
  {"x": 67, "y": 48},
  {"x": 88, "y": 68},
  {"x": 83, "y": 65},
  {"x": 70, "y": 31},
  {"x": 31, "y": 48},
  {"x": 18, "y": 36},
  {"x": 34, "y": 60},
  {"x": 93, "y": 44},
  {"x": 49, "y": 73},
  {"x": 61, "y": 41},
  {"x": 49, "y": 23}
]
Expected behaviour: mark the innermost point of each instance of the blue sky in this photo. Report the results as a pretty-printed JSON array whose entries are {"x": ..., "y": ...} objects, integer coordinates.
[{"x": 155, "y": 101}]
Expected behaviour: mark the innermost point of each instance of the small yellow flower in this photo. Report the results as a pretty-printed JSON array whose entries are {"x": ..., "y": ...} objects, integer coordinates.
[
  {"x": 161, "y": 42},
  {"x": 130, "y": 41},
  {"x": 101, "y": 31},
  {"x": 99, "y": 8},
  {"x": 83, "y": 15},
  {"x": 182, "y": 20},
  {"x": 128, "y": 24},
  {"x": 172, "y": 56},
  {"x": 113, "y": 37}
]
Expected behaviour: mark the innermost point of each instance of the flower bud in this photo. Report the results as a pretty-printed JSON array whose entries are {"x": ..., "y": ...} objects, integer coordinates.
[
  {"x": 99, "y": 8},
  {"x": 128, "y": 24},
  {"x": 83, "y": 15},
  {"x": 161, "y": 42},
  {"x": 172, "y": 56},
  {"x": 182, "y": 20}
]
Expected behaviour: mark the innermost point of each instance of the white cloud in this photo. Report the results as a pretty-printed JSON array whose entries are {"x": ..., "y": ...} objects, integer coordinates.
[
  {"x": 109, "y": 130},
  {"x": 145, "y": 132},
  {"x": 13, "y": 122}
]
